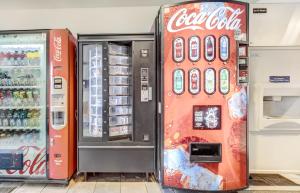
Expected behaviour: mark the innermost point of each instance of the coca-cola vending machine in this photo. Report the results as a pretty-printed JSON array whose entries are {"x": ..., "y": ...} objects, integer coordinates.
[
  {"x": 203, "y": 103},
  {"x": 37, "y": 105}
]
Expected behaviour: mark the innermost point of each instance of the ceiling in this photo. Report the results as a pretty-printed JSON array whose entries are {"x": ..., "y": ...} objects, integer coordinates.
[{"x": 59, "y": 4}]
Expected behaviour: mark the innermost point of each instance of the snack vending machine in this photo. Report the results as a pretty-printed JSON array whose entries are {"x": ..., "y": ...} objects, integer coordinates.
[
  {"x": 37, "y": 105},
  {"x": 203, "y": 120},
  {"x": 116, "y": 103}
]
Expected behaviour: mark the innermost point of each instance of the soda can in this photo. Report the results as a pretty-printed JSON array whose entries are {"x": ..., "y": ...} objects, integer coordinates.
[
  {"x": 209, "y": 48},
  {"x": 194, "y": 48},
  {"x": 178, "y": 81},
  {"x": 178, "y": 49},
  {"x": 210, "y": 81},
  {"x": 224, "y": 47},
  {"x": 194, "y": 81}
]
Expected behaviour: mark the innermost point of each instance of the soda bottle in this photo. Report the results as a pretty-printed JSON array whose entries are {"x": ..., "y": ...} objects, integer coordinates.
[
  {"x": 37, "y": 118},
  {"x": 2, "y": 56},
  {"x": 22, "y": 58},
  {"x": 15, "y": 117},
  {"x": 29, "y": 97},
  {"x": 36, "y": 57},
  {"x": 7, "y": 79},
  {"x": 16, "y": 98},
  {"x": 2, "y": 93},
  {"x": 11, "y": 121},
  {"x": 178, "y": 49},
  {"x": 25, "y": 118},
  {"x": 178, "y": 84},
  {"x": 23, "y": 97},
  {"x": 16, "y": 58},
  {"x": 210, "y": 47},
  {"x": 10, "y": 57},
  {"x": 36, "y": 96},
  {"x": 22, "y": 77},
  {"x": 1, "y": 119},
  {"x": 8, "y": 98},
  {"x": 19, "y": 118},
  {"x": 29, "y": 118},
  {"x": 4, "y": 118},
  {"x": 224, "y": 48},
  {"x": 6, "y": 58},
  {"x": 194, "y": 48},
  {"x": 17, "y": 76},
  {"x": 29, "y": 57}
]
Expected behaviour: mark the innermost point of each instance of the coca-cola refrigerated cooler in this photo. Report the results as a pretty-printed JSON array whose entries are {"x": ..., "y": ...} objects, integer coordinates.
[
  {"x": 37, "y": 105},
  {"x": 203, "y": 122},
  {"x": 116, "y": 103}
]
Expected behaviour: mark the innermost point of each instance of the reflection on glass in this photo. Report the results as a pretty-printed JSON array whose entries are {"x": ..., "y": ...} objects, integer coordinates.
[
  {"x": 23, "y": 101},
  {"x": 92, "y": 90}
]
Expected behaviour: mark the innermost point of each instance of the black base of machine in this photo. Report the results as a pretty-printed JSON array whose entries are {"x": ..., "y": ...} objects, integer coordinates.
[{"x": 124, "y": 160}]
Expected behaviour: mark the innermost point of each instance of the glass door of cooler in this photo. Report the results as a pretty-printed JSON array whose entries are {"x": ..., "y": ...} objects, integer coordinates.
[
  {"x": 105, "y": 108},
  {"x": 23, "y": 86},
  {"x": 92, "y": 100}
]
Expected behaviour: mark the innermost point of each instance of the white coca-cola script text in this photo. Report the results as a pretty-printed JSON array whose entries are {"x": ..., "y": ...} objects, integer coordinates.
[{"x": 220, "y": 18}]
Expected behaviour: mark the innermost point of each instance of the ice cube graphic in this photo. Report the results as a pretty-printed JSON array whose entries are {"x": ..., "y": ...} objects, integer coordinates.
[
  {"x": 199, "y": 178},
  {"x": 238, "y": 104}
]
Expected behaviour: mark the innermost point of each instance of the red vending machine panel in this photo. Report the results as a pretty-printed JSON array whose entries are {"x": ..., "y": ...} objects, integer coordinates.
[
  {"x": 204, "y": 108},
  {"x": 62, "y": 102}
]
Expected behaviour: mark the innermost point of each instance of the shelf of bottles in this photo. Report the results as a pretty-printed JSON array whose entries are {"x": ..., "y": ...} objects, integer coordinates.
[
  {"x": 20, "y": 94},
  {"x": 120, "y": 92}
]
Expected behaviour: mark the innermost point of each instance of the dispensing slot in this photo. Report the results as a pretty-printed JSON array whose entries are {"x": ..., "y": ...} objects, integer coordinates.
[{"x": 205, "y": 152}]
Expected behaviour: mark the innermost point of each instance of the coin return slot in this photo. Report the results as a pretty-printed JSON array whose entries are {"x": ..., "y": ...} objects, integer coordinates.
[
  {"x": 58, "y": 118},
  {"x": 205, "y": 152}
]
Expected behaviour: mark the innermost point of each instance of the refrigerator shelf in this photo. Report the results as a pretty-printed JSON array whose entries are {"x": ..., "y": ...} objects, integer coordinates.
[
  {"x": 20, "y": 107},
  {"x": 21, "y": 66},
  {"x": 18, "y": 87},
  {"x": 19, "y": 128}
]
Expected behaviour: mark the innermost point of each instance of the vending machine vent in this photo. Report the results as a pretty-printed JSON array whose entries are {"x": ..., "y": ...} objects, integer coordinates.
[{"x": 205, "y": 152}]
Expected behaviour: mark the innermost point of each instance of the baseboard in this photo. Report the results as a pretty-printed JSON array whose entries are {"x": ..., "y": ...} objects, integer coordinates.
[{"x": 275, "y": 171}]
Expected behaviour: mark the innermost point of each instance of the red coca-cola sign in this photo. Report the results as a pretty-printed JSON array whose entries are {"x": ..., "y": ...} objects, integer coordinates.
[
  {"x": 34, "y": 163},
  {"x": 224, "y": 17}
]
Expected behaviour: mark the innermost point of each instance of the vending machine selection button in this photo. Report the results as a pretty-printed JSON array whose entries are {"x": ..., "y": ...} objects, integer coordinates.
[{"x": 57, "y": 83}]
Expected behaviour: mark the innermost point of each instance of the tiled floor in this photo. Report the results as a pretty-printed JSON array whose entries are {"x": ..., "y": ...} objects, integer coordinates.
[{"x": 124, "y": 184}]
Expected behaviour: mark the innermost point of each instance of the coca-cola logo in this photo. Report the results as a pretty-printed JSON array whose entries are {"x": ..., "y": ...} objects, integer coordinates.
[
  {"x": 220, "y": 18},
  {"x": 34, "y": 161},
  {"x": 57, "y": 48}
]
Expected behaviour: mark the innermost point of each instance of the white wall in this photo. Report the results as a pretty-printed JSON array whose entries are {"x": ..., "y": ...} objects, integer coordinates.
[
  {"x": 78, "y": 20},
  {"x": 273, "y": 151}
]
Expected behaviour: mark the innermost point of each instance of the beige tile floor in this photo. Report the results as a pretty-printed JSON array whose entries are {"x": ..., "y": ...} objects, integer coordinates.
[{"x": 122, "y": 184}]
